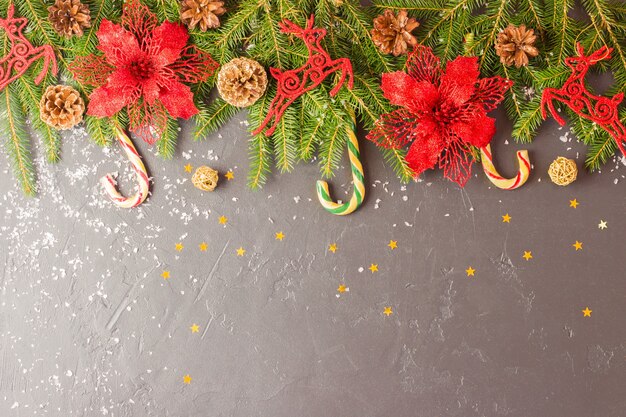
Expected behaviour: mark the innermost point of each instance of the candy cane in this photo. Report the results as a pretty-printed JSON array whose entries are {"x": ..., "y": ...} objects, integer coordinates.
[
  {"x": 357, "y": 178},
  {"x": 496, "y": 178},
  {"x": 110, "y": 185}
]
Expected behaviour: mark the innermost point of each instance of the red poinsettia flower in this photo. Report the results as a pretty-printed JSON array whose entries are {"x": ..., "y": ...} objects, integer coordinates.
[
  {"x": 442, "y": 114},
  {"x": 142, "y": 69}
]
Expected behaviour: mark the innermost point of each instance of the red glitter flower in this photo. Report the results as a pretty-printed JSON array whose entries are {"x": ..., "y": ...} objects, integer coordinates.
[
  {"x": 442, "y": 114},
  {"x": 142, "y": 69}
]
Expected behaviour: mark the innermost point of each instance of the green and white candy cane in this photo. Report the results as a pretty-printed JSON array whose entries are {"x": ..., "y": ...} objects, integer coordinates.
[{"x": 357, "y": 177}]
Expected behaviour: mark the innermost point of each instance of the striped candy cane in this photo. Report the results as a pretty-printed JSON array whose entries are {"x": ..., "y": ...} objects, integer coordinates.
[
  {"x": 497, "y": 179},
  {"x": 357, "y": 178},
  {"x": 110, "y": 185}
]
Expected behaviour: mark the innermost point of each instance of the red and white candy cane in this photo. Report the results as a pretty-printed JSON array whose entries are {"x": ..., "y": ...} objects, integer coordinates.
[
  {"x": 498, "y": 180},
  {"x": 110, "y": 185}
]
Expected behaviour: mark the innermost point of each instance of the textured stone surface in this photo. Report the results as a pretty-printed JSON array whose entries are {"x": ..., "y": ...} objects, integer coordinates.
[{"x": 89, "y": 327}]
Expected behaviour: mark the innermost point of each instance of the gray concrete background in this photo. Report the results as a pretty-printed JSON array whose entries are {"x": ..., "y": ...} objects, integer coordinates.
[{"x": 88, "y": 326}]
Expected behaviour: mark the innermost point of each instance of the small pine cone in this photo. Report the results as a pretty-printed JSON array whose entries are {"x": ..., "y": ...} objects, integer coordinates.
[
  {"x": 61, "y": 107},
  {"x": 241, "y": 82},
  {"x": 515, "y": 45},
  {"x": 392, "y": 34},
  {"x": 202, "y": 13},
  {"x": 69, "y": 17}
]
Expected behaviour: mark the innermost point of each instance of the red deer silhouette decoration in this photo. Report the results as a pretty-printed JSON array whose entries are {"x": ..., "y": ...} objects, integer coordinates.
[
  {"x": 294, "y": 83},
  {"x": 574, "y": 94},
  {"x": 22, "y": 53}
]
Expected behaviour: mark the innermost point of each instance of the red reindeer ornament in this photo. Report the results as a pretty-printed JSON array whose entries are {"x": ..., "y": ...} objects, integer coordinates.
[
  {"x": 294, "y": 83},
  {"x": 600, "y": 110},
  {"x": 22, "y": 53}
]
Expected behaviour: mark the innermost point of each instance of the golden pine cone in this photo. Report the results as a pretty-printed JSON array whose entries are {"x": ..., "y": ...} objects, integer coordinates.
[
  {"x": 202, "y": 13},
  {"x": 69, "y": 17},
  {"x": 515, "y": 45},
  {"x": 241, "y": 82},
  {"x": 61, "y": 107},
  {"x": 392, "y": 33}
]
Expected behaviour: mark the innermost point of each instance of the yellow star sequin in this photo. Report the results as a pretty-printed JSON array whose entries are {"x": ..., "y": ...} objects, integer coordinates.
[
  {"x": 342, "y": 288},
  {"x": 165, "y": 274},
  {"x": 388, "y": 311},
  {"x": 332, "y": 247},
  {"x": 203, "y": 246},
  {"x": 223, "y": 220},
  {"x": 578, "y": 245},
  {"x": 528, "y": 255},
  {"x": 506, "y": 218},
  {"x": 573, "y": 203},
  {"x": 179, "y": 247},
  {"x": 241, "y": 251},
  {"x": 280, "y": 236},
  {"x": 187, "y": 379},
  {"x": 587, "y": 312},
  {"x": 229, "y": 175},
  {"x": 195, "y": 328},
  {"x": 393, "y": 244},
  {"x": 373, "y": 268},
  {"x": 470, "y": 271},
  {"x": 188, "y": 168}
]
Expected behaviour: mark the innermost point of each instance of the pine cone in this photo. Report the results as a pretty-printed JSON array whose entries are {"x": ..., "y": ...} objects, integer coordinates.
[
  {"x": 69, "y": 17},
  {"x": 241, "y": 82},
  {"x": 61, "y": 107},
  {"x": 204, "y": 13},
  {"x": 392, "y": 34},
  {"x": 515, "y": 45}
]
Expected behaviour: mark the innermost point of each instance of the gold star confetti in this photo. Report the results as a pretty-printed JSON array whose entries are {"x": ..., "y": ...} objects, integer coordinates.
[
  {"x": 393, "y": 244},
  {"x": 241, "y": 251},
  {"x": 587, "y": 312},
  {"x": 187, "y": 379},
  {"x": 528, "y": 255},
  {"x": 342, "y": 288},
  {"x": 223, "y": 220},
  {"x": 188, "y": 168},
  {"x": 388, "y": 311},
  {"x": 195, "y": 328},
  {"x": 203, "y": 246},
  {"x": 229, "y": 175},
  {"x": 603, "y": 225},
  {"x": 332, "y": 247},
  {"x": 165, "y": 274},
  {"x": 573, "y": 203},
  {"x": 470, "y": 271},
  {"x": 578, "y": 246},
  {"x": 373, "y": 268},
  {"x": 179, "y": 247},
  {"x": 280, "y": 236},
  {"x": 506, "y": 218}
]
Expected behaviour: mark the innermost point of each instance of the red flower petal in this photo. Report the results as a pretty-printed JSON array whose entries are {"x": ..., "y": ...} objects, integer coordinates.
[
  {"x": 194, "y": 66},
  {"x": 116, "y": 42},
  {"x": 403, "y": 90},
  {"x": 105, "y": 102},
  {"x": 490, "y": 92},
  {"x": 459, "y": 81},
  {"x": 395, "y": 130},
  {"x": 147, "y": 121},
  {"x": 425, "y": 151},
  {"x": 178, "y": 100},
  {"x": 169, "y": 40},
  {"x": 138, "y": 19},
  {"x": 477, "y": 131},
  {"x": 92, "y": 70},
  {"x": 423, "y": 65},
  {"x": 456, "y": 162}
]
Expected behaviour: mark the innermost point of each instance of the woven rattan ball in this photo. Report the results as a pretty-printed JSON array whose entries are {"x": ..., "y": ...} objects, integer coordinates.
[
  {"x": 563, "y": 171},
  {"x": 205, "y": 178}
]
